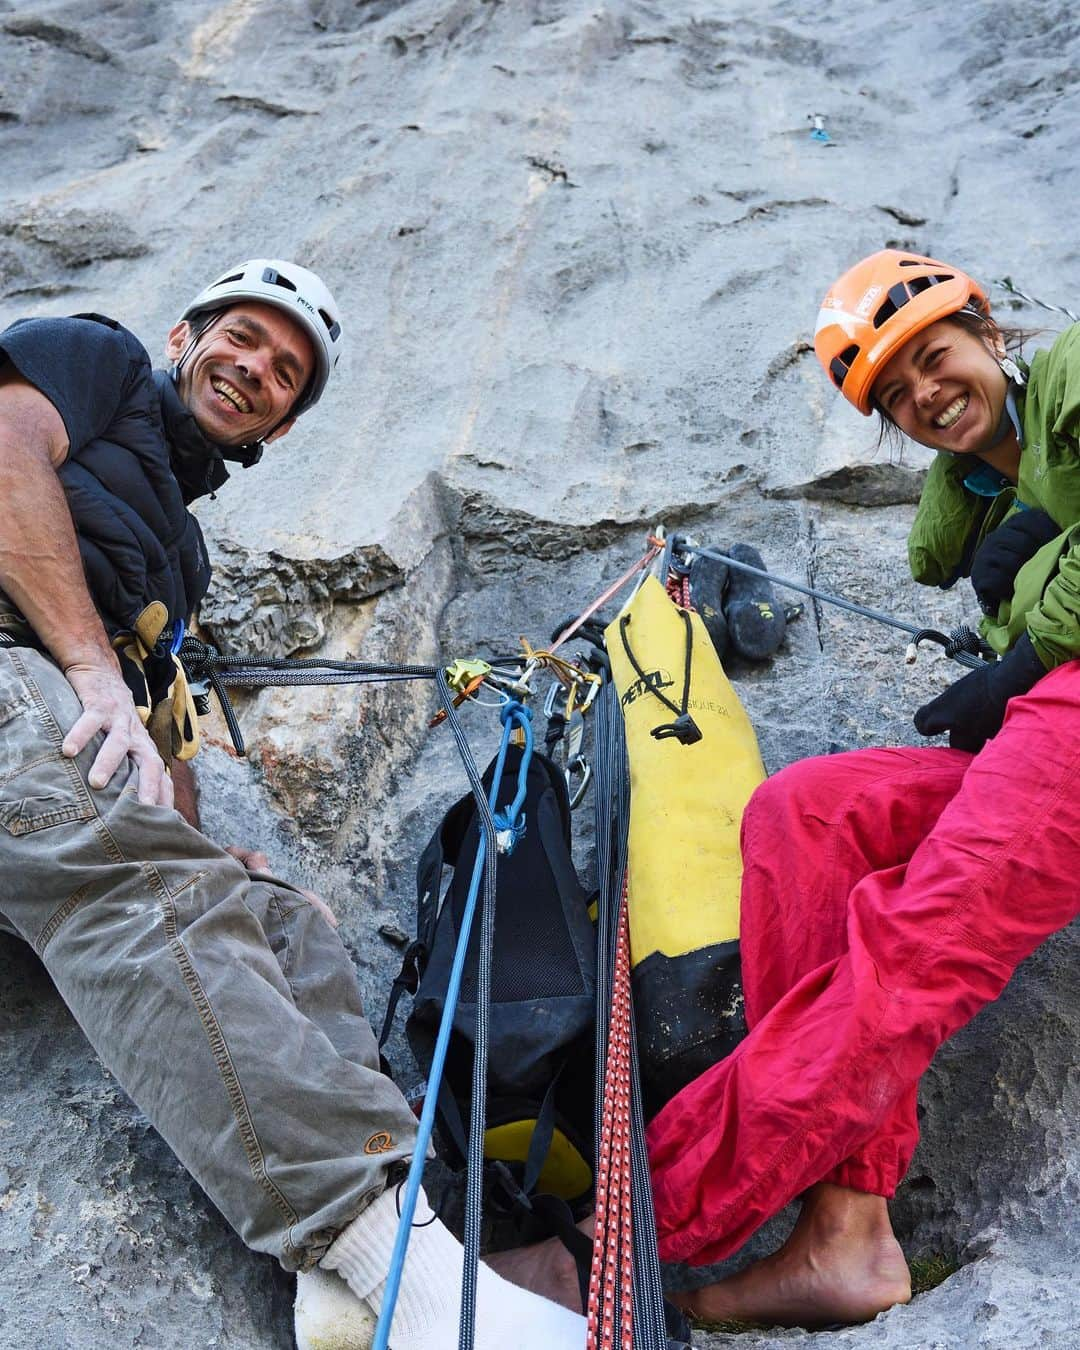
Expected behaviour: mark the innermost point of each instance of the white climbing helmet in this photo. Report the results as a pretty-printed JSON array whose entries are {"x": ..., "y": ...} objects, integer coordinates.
[{"x": 294, "y": 290}]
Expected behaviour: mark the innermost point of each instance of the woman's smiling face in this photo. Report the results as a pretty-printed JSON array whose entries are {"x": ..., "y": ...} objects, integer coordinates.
[{"x": 945, "y": 389}]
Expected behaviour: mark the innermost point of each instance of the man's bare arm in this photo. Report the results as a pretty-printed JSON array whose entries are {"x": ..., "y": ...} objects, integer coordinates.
[{"x": 41, "y": 571}]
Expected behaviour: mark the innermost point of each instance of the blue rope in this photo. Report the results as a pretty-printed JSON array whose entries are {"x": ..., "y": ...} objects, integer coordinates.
[
  {"x": 512, "y": 713},
  {"x": 510, "y": 821}
]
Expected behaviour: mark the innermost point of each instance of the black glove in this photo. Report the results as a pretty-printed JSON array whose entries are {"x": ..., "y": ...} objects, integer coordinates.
[
  {"x": 1003, "y": 552},
  {"x": 972, "y": 709}
]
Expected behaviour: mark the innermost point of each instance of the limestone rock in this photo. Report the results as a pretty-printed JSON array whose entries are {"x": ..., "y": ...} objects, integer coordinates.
[
  {"x": 75, "y": 237},
  {"x": 580, "y": 250}
]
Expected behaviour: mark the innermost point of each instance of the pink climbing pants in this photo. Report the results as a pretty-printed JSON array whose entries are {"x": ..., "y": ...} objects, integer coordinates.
[{"x": 887, "y": 896}]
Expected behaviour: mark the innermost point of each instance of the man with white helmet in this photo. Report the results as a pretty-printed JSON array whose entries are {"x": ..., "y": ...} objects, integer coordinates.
[{"x": 223, "y": 1002}]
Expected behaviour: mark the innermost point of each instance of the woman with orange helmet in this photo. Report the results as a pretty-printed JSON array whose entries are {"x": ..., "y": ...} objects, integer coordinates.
[
  {"x": 888, "y": 894},
  {"x": 912, "y": 339}
]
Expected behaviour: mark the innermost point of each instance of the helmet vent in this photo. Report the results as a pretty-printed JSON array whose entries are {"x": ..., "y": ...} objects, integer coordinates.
[
  {"x": 273, "y": 277},
  {"x": 840, "y": 365},
  {"x": 333, "y": 327},
  {"x": 902, "y": 292},
  {"x": 225, "y": 281}
]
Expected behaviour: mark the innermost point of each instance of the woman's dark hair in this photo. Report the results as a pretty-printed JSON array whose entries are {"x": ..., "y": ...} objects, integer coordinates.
[{"x": 978, "y": 325}]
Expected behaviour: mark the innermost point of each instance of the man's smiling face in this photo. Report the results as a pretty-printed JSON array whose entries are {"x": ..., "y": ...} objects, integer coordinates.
[{"x": 244, "y": 373}]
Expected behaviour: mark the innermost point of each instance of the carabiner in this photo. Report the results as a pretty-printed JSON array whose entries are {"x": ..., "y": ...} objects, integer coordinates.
[{"x": 579, "y": 764}]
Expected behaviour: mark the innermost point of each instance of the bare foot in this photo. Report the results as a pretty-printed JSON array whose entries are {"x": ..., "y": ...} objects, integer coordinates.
[
  {"x": 545, "y": 1268},
  {"x": 842, "y": 1263}
]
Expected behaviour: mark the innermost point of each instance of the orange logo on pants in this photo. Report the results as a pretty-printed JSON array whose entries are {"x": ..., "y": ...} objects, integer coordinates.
[{"x": 379, "y": 1143}]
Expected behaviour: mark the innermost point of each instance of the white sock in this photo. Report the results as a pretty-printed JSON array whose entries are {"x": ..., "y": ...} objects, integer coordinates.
[
  {"x": 328, "y": 1315},
  {"x": 428, "y": 1308}
]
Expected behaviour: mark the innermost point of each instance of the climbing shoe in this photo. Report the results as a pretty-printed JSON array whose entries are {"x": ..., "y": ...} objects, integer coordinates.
[
  {"x": 708, "y": 578},
  {"x": 755, "y": 618}
]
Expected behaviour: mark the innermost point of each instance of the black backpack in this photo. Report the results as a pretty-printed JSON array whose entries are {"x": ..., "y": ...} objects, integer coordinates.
[{"x": 541, "y": 1044}]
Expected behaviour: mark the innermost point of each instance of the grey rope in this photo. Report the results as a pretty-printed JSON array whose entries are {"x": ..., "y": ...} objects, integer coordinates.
[
  {"x": 200, "y": 657},
  {"x": 606, "y": 811},
  {"x": 1006, "y": 284},
  {"x": 650, "y": 1331},
  {"x": 953, "y": 645},
  {"x": 202, "y": 661}
]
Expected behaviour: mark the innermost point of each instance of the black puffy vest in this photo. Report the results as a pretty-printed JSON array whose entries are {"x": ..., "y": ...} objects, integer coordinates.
[{"x": 128, "y": 492}]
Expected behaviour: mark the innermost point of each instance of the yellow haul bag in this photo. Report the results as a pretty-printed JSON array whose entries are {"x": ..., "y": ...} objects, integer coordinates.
[{"x": 694, "y": 761}]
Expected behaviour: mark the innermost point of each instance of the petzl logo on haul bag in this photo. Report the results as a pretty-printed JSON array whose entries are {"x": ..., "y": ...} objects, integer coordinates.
[{"x": 649, "y": 682}]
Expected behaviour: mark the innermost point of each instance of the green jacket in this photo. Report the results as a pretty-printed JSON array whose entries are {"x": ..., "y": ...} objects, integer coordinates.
[{"x": 952, "y": 521}]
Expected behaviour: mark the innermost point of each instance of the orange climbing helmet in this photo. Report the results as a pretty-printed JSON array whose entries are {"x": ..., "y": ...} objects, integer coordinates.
[{"x": 872, "y": 310}]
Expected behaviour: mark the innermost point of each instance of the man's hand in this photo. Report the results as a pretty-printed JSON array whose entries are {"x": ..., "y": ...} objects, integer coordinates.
[
  {"x": 258, "y": 863},
  {"x": 973, "y": 709},
  {"x": 1004, "y": 551},
  {"x": 108, "y": 707}
]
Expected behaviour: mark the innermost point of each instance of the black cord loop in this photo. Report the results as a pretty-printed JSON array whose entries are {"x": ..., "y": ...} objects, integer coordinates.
[{"x": 684, "y": 729}]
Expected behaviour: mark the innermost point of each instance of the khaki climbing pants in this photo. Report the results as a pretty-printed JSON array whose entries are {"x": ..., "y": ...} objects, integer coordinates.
[{"x": 227, "y": 1007}]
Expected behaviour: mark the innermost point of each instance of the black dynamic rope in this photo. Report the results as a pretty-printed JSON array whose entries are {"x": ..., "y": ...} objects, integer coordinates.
[{"x": 200, "y": 658}]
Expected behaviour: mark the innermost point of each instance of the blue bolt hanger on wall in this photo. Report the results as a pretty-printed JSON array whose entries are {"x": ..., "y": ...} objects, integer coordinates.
[{"x": 819, "y": 133}]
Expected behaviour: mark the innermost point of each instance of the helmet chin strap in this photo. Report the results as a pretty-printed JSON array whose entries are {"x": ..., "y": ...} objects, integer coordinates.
[{"x": 245, "y": 455}]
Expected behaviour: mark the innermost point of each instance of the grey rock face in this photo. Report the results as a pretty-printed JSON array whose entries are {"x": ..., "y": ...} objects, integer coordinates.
[{"x": 581, "y": 250}]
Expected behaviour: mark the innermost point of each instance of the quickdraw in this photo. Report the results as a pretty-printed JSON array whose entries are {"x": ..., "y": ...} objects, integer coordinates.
[{"x": 566, "y": 729}]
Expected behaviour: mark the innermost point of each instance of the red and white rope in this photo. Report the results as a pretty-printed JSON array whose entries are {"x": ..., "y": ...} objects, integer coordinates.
[{"x": 610, "y": 1308}]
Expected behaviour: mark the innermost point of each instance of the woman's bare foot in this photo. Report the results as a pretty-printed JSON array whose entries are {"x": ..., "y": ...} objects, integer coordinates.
[
  {"x": 842, "y": 1263},
  {"x": 545, "y": 1268}
]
